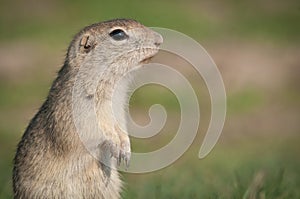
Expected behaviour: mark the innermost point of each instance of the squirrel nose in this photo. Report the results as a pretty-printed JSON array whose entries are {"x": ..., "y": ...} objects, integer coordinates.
[{"x": 158, "y": 40}]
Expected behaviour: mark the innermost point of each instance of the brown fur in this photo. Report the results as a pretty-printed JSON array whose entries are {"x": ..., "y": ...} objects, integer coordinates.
[{"x": 51, "y": 160}]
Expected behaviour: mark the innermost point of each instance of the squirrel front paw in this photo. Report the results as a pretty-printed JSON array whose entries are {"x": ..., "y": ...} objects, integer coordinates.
[
  {"x": 125, "y": 153},
  {"x": 108, "y": 149},
  {"x": 121, "y": 151}
]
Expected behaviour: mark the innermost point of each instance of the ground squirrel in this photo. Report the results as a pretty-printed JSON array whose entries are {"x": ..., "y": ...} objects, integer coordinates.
[{"x": 51, "y": 160}]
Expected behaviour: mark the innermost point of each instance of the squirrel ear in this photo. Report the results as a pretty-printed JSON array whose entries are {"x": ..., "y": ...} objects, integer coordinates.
[{"x": 87, "y": 43}]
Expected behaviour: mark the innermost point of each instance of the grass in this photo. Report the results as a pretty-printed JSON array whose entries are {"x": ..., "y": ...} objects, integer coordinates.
[
  {"x": 225, "y": 173},
  {"x": 245, "y": 101}
]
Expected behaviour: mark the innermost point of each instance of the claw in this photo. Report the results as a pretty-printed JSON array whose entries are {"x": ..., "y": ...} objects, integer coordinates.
[
  {"x": 119, "y": 159},
  {"x": 127, "y": 159},
  {"x": 125, "y": 156}
]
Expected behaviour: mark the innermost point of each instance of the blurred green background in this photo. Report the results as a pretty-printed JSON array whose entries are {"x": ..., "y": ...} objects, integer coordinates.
[{"x": 256, "y": 45}]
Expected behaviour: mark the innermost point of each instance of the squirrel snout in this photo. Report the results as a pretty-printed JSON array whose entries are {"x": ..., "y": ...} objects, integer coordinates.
[{"x": 158, "y": 39}]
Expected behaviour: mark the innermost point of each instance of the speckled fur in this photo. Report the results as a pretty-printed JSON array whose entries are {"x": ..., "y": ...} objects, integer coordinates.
[{"x": 51, "y": 161}]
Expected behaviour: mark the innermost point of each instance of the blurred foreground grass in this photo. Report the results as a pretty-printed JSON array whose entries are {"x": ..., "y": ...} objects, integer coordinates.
[
  {"x": 264, "y": 168},
  {"x": 257, "y": 155},
  {"x": 230, "y": 171}
]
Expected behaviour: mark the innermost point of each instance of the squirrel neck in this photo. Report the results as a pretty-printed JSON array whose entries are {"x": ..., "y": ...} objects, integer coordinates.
[{"x": 60, "y": 102}]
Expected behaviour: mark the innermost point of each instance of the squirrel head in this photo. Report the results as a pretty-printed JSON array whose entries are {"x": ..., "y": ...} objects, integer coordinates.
[{"x": 122, "y": 43}]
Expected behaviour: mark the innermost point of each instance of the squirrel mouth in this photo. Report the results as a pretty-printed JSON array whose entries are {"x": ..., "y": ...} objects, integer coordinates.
[
  {"x": 146, "y": 60},
  {"x": 149, "y": 57}
]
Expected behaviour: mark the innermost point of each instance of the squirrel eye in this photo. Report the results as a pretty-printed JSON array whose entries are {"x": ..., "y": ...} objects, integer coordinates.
[{"x": 118, "y": 35}]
